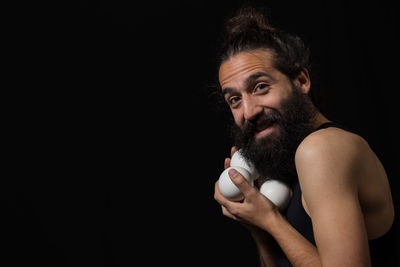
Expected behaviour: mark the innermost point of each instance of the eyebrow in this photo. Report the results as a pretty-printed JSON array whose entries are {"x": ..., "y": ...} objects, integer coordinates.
[{"x": 249, "y": 80}]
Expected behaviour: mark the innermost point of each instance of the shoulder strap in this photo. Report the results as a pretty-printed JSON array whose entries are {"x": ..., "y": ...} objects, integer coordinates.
[{"x": 331, "y": 124}]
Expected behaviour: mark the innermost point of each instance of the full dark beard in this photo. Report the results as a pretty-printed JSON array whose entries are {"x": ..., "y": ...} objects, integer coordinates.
[{"x": 273, "y": 155}]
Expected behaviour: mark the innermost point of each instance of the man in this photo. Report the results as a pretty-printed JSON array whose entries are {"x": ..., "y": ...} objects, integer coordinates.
[{"x": 341, "y": 198}]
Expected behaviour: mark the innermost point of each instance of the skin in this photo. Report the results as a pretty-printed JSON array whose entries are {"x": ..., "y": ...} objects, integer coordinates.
[{"x": 344, "y": 186}]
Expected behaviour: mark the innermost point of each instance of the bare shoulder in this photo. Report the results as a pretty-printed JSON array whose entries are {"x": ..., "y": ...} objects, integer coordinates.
[
  {"x": 333, "y": 144},
  {"x": 333, "y": 157}
]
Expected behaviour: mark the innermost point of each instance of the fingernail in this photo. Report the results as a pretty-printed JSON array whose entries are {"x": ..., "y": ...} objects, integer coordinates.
[{"x": 233, "y": 173}]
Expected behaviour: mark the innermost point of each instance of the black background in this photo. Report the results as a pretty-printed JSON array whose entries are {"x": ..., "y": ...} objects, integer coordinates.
[{"x": 116, "y": 140}]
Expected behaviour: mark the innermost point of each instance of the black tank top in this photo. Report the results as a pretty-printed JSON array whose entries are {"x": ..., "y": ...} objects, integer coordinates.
[{"x": 381, "y": 249}]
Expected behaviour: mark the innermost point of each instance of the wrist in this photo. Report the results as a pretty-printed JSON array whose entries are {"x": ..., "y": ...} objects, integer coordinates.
[{"x": 273, "y": 221}]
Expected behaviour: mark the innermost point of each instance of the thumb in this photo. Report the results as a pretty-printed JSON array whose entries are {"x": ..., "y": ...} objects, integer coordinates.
[{"x": 238, "y": 179}]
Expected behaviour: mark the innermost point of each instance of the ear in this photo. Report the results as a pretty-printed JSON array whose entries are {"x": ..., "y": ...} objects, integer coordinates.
[{"x": 303, "y": 81}]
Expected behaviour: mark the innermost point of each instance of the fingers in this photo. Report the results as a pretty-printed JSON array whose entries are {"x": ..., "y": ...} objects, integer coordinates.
[
  {"x": 221, "y": 199},
  {"x": 227, "y": 163},
  {"x": 228, "y": 214},
  {"x": 218, "y": 195},
  {"x": 228, "y": 206},
  {"x": 233, "y": 150}
]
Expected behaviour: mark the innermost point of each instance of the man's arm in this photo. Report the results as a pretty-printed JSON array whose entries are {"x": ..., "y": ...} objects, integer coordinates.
[{"x": 329, "y": 166}]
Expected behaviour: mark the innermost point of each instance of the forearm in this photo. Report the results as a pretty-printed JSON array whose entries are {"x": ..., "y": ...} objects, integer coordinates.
[
  {"x": 266, "y": 247},
  {"x": 299, "y": 251}
]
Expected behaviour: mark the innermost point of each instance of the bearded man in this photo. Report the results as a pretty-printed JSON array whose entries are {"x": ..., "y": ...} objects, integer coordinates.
[{"x": 341, "y": 203}]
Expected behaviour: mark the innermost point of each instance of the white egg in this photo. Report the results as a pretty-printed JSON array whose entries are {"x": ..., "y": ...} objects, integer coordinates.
[
  {"x": 278, "y": 192},
  {"x": 238, "y": 160},
  {"x": 227, "y": 187}
]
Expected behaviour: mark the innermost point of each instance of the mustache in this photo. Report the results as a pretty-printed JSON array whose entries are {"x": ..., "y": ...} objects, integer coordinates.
[{"x": 261, "y": 121}]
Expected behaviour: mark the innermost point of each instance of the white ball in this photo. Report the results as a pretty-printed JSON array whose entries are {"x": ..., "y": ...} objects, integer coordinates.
[
  {"x": 227, "y": 187},
  {"x": 238, "y": 160},
  {"x": 278, "y": 192}
]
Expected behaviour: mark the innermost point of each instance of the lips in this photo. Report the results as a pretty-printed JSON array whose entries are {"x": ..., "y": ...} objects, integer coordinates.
[
  {"x": 265, "y": 130},
  {"x": 260, "y": 126},
  {"x": 264, "y": 124}
]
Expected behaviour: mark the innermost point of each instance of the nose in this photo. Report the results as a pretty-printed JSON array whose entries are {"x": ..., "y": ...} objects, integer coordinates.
[{"x": 250, "y": 108}]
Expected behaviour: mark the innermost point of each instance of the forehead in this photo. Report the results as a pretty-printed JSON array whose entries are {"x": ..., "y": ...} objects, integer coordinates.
[{"x": 241, "y": 65}]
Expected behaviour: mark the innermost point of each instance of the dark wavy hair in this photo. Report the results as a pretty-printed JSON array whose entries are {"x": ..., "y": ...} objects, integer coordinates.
[{"x": 249, "y": 29}]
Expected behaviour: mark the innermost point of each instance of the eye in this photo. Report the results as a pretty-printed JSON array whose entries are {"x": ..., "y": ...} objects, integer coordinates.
[
  {"x": 233, "y": 100},
  {"x": 261, "y": 87}
]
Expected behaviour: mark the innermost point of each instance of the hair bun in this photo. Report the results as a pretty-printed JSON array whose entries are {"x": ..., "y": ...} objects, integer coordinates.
[{"x": 248, "y": 18}]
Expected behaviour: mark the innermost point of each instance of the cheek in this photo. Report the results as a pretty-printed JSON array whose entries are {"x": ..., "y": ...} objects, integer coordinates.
[
  {"x": 276, "y": 103},
  {"x": 272, "y": 100},
  {"x": 238, "y": 117}
]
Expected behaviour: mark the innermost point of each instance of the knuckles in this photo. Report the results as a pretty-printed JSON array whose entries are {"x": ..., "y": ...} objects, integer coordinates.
[
  {"x": 239, "y": 180},
  {"x": 251, "y": 193}
]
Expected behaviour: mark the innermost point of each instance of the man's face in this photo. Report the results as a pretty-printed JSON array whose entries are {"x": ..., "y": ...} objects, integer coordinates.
[
  {"x": 251, "y": 85},
  {"x": 272, "y": 113}
]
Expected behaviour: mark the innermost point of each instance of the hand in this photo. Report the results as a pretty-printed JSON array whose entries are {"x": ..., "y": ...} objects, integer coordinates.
[{"x": 254, "y": 209}]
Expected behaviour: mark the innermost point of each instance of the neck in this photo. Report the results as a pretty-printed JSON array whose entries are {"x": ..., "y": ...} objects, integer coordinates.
[{"x": 319, "y": 119}]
